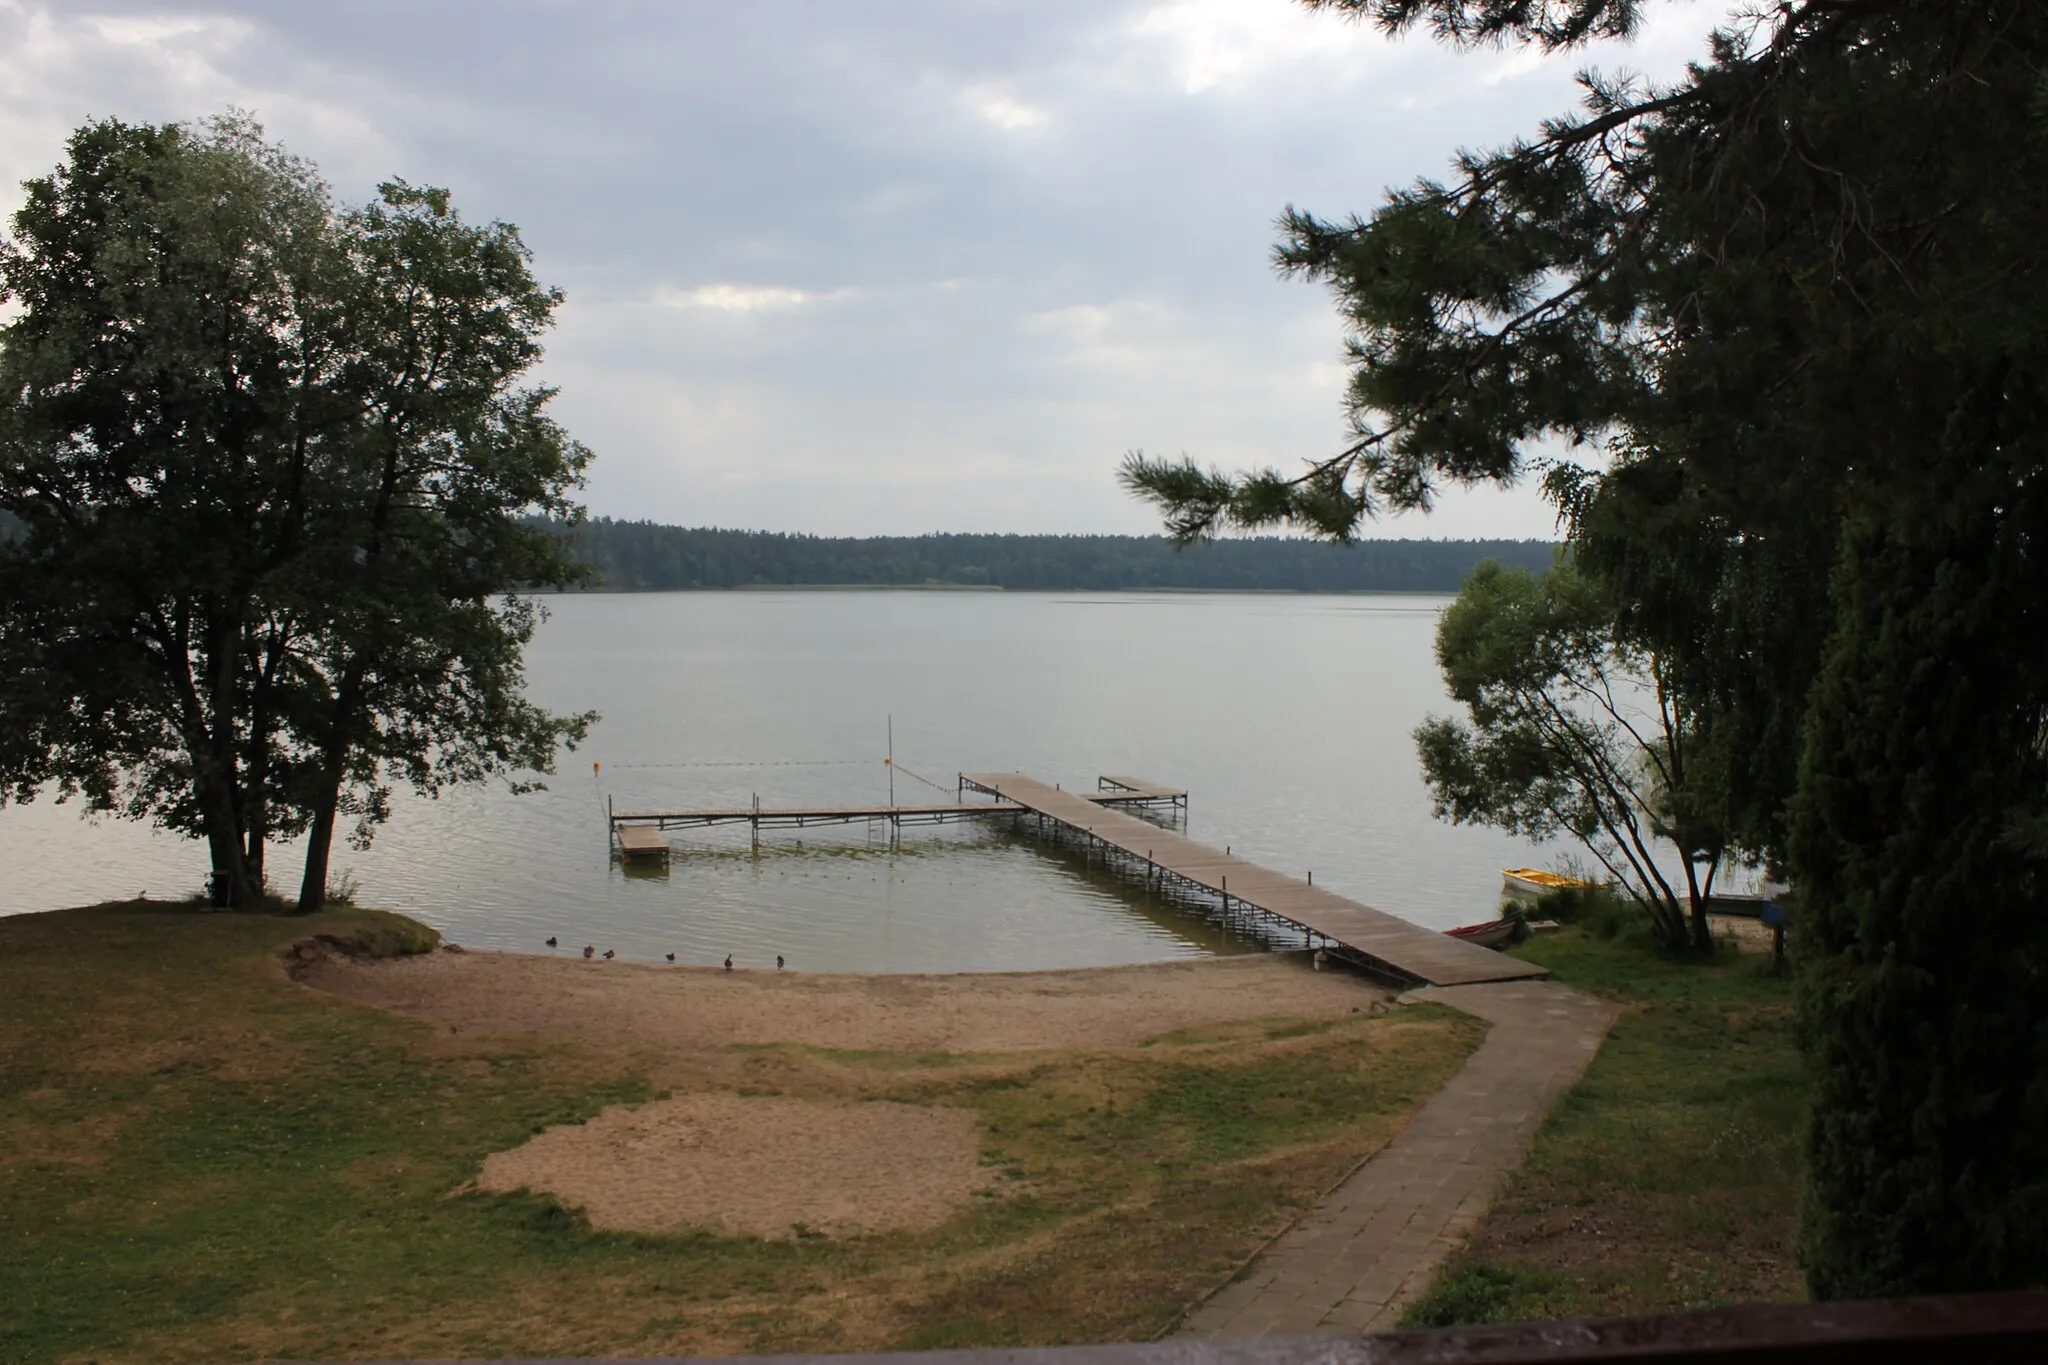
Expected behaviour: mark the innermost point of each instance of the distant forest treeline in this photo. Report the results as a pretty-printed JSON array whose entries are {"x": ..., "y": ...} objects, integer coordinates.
[{"x": 644, "y": 556}]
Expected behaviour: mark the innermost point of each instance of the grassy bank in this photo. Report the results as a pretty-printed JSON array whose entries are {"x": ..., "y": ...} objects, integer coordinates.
[
  {"x": 1670, "y": 1176},
  {"x": 203, "y": 1159}
]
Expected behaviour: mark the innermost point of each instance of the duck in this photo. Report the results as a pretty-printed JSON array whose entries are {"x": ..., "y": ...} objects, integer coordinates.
[
  {"x": 778, "y": 962},
  {"x": 671, "y": 957},
  {"x": 728, "y": 961},
  {"x": 589, "y": 950},
  {"x": 609, "y": 955},
  {"x": 551, "y": 940}
]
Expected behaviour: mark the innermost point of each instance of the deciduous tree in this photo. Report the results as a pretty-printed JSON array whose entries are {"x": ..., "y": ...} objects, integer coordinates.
[
  {"x": 415, "y": 669},
  {"x": 273, "y": 478},
  {"x": 1569, "y": 731},
  {"x": 161, "y": 402}
]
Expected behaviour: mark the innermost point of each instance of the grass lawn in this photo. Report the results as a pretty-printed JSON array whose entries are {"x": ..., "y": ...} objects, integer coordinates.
[
  {"x": 201, "y": 1159},
  {"x": 1670, "y": 1176}
]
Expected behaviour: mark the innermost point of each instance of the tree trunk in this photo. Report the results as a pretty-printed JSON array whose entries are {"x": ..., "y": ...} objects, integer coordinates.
[
  {"x": 262, "y": 724},
  {"x": 224, "y": 840},
  {"x": 256, "y": 800},
  {"x": 333, "y": 766},
  {"x": 1696, "y": 904},
  {"x": 253, "y": 849},
  {"x": 216, "y": 762},
  {"x": 319, "y": 844}
]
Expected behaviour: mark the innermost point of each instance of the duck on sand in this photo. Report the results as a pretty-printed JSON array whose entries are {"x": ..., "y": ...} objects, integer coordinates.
[{"x": 962, "y": 1012}]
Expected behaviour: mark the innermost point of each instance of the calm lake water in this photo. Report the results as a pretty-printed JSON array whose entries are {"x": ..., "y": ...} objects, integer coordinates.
[{"x": 1287, "y": 719}]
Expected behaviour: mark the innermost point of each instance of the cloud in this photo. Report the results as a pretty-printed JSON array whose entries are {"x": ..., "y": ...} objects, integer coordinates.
[
  {"x": 145, "y": 66},
  {"x": 1221, "y": 43},
  {"x": 903, "y": 266},
  {"x": 1080, "y": 320},
  {"x": 739, "y": 298},
  {"x": 150, "y": 31},
  {"x": 1007, "y": 113}
]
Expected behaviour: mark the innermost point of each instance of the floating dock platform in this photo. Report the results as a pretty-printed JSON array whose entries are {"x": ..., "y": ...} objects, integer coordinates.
[
  {"x": 641, "y": 843},
  {"x": 1098, "y": 823}
]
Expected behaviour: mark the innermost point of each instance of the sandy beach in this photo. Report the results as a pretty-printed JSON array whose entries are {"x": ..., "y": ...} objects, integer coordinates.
[
  {"x": 778, "y": 1165},
  {"x": 694, "y": 1007}
]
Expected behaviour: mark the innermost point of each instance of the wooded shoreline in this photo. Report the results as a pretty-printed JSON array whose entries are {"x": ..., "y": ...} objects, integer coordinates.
[{"x": 644, "y": 556}]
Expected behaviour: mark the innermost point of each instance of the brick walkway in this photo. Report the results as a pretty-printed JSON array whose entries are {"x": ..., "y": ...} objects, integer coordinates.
[{"x": 1352, "y": 1262}]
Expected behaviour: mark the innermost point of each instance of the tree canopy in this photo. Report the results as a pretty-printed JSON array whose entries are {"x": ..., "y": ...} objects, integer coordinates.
[
  {"x": 1793, "y": 303},
  {"x": 270, "y": 473},
  {"x": 1568, "y": 731}
]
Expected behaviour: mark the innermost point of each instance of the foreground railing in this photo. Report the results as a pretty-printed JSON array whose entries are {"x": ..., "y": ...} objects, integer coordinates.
[{"x": 1955, "y": 1329}]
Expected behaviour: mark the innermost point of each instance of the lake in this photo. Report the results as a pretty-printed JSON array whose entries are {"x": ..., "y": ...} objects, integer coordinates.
[{"x": 1287, "y": 718}]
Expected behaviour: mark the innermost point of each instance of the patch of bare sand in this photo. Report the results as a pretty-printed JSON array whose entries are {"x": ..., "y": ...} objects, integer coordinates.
[
  {"x": 759, "y": 1166},
  {"x": 706, "y": 1007}
]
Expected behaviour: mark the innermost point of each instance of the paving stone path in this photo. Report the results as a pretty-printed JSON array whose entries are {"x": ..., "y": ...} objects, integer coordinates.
[{"x": 1355, "y": 1259}]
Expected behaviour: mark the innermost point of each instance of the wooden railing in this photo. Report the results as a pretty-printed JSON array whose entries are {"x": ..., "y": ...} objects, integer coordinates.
[{"x": 1958, "y": 1329}]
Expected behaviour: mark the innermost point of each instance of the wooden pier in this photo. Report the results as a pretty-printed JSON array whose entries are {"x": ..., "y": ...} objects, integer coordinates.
[
  {"x": 1376, "y": 940},
  {"x": 650, "y": 822},
  {"x": 646, "y": 825},
  {"x": 1169, "y": 862}
]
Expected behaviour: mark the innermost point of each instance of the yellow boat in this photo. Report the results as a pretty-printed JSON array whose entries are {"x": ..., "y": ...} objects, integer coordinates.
[{"x": 1533, "y": 883}]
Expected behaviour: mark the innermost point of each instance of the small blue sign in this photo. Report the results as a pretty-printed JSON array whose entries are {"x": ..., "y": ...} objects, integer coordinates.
[{"x": 1771, "y": 913}]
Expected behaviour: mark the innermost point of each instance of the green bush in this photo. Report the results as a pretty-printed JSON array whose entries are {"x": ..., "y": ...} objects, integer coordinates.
[
  {"x": 1601, "y": 911},
  {"x": 1482, "y": 1291}
]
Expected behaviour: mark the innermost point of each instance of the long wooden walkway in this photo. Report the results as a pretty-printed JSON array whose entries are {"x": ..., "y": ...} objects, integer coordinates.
[
  {"x": 640, "y": 824},
  {"x": 1382, "y": 941},
  {"x": 802, "y": 817}
]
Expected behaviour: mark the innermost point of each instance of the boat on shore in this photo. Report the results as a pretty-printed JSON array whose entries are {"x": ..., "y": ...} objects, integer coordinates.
[
  {"x": 1495, "y": 933},
  {"x": 1530, "y": 884}
]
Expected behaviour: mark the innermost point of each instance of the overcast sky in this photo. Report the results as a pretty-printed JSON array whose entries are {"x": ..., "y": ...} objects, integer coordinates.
[{"x": 865, "y": 266}]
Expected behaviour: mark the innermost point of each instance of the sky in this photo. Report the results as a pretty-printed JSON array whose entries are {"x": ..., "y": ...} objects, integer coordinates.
[{"x": 870, "y": 268}]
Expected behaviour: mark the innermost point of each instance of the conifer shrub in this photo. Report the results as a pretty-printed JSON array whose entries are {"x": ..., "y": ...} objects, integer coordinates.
[{"x": 1925, "y": 986}]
